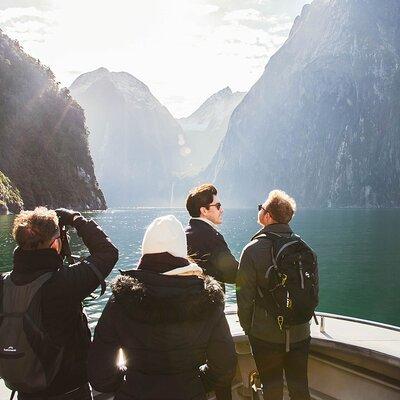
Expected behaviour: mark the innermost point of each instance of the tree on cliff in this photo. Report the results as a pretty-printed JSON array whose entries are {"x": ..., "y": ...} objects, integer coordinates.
[{"x": 43, "y": 138}]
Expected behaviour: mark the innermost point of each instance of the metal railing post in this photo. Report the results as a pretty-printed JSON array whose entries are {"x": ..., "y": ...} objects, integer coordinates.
[{"x": 322, "y": 324}]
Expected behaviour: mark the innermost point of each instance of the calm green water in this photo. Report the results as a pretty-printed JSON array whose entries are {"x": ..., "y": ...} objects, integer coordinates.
[{"x": 358, "y": 252}]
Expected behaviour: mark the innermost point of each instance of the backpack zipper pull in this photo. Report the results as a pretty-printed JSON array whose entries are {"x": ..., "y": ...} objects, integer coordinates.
[{"x": 280, "y": 321}]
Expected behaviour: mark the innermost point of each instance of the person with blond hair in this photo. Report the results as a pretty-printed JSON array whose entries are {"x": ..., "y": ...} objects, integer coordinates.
[
  {"x": 277, "y": 345},
  {"x": 168, "y": 318}
]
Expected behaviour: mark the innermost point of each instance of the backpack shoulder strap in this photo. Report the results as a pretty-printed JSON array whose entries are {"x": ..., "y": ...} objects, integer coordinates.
[
  {"x": 2, "y": 277},
  {"x": 293, "y": 240},
  {"x": 19, "y": 303},
  {"x": 279, "y": 242}
]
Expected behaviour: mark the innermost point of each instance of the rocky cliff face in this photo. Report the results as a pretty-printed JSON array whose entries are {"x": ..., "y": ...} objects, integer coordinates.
[
  {"x": 10, "y": 198},
  {"x": 133, "y": 138},
  {"x": 206, "y": 127},
  {"x": 323, "y": 121},
  {"x": 43, "y": 140}
]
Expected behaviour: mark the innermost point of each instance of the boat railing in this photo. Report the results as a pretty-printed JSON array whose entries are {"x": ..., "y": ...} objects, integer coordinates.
[{"x": 322, "y": 316}]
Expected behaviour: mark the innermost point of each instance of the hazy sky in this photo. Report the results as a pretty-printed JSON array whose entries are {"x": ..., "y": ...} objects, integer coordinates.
[{"x": 184, "y": 50}]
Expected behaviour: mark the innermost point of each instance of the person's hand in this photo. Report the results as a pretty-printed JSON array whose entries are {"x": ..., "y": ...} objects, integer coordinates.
[{"x": 66, "y": 217}]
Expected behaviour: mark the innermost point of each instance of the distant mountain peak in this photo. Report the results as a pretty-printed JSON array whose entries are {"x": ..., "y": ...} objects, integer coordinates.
[
  {"x": 126, "y": 78},
  {"x": 318, "y": 123},
  {"x": 227, "y": 90},
  {"x": 222, "y": 95},
  {"x": 134, "y": 139},
  {"x": 130, "y": 87},
  {"x": 101, "y": 70},
  {"x": 208, "y": 124}
]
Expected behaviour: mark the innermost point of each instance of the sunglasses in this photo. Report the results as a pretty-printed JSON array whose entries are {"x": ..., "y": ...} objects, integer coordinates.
[
  {"x": 260, "y": 207},
  {"x": 217, "y": 205}
]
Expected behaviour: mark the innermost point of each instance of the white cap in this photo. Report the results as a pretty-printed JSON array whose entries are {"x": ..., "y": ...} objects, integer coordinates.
[{"x": 165, "y": 234}]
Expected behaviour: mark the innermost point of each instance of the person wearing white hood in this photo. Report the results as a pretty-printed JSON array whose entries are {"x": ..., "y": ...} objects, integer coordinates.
[{"x": 169, "y": 320}]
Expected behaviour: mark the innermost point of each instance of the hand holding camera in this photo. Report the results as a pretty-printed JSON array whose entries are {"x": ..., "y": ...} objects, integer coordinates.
[{"x": 66, "y": 217}]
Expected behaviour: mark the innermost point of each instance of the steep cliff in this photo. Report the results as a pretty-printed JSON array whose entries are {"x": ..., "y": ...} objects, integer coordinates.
[
  {"x": 10, "y": 198},
  {"x": 323, "y": 121},
  {"x": 133, "y": 138},
  {"x": 43, "y": 139}
]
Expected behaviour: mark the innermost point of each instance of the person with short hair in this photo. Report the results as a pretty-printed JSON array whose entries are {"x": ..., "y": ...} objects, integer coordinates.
[
  {"x": 38, "y": 237},
  {"x": 206, "y": 245},
  {"x": 266, "y": 338},
  {"x": 169, "y": 320}
]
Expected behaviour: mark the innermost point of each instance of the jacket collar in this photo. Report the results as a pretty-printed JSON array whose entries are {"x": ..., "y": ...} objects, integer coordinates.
[
  {"x": 161, "y": 262},
  {"x": 206, "y": 221},
  {"x": 276, "y": 228},
  {"x": 29, "y": 264},
  {"x": 156, "y": 298}
]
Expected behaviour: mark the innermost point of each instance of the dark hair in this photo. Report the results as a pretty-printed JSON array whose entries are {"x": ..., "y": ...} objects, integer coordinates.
[
  {"x": 32, "y": 229},
  {"x": 200, "y": 196},
  {"x": 281, "y": 206}
]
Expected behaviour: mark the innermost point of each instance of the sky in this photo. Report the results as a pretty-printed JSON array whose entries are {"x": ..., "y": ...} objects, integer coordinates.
[{"x": 183, "y": 50}]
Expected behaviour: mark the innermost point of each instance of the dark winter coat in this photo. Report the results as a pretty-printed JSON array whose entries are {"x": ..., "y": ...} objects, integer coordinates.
[
  {"x": 209, "y": 250},
  {"x": 61, "y": 299},
  {"x": 254, "y": 261},
  {"x": 174, "y": 335}
]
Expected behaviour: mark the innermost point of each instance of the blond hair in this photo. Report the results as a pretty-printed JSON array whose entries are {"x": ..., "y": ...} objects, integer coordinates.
[
  {"x": 280, "y": 206},
  {"x": 33, "y": 229}
]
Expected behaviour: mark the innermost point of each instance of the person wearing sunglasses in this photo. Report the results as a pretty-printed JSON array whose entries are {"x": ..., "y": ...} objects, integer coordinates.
[
  {"x": 207, "y": 247},
  {"x": 272, "y": 354}
]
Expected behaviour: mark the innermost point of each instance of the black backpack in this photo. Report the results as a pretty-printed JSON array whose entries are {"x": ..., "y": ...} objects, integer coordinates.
[
  {"x": 291, "y": 291},
  {"x": 29, "y": 359}
]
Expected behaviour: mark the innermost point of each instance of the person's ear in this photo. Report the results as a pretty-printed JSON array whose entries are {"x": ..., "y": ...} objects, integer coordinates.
[
  {"x": 203, "y": 211},
  {"x": 56, "y": 245}
]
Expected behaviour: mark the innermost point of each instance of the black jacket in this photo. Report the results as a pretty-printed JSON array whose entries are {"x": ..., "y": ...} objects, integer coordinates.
[
  {"x": 174, "y": 335},
  {"x": 254, "y": 261},
  {"x": 207, "y": 247},
  {"x": 61, "y": 299}
]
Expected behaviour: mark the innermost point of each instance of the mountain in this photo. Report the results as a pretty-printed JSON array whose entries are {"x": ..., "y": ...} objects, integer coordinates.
[
  {"x": 323, "y": 121},
  {"x": 206, "y": 127},
  {"x": 43, "y": 140},
  {"x": 133, "y": 138}
]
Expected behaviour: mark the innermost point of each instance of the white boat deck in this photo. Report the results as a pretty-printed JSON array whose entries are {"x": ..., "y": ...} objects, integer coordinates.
[
  {"x": 380, "y": 338},
  {"x": 381, "y": 341}
]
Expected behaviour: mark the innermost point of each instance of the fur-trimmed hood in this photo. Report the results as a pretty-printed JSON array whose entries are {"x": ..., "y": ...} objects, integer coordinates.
[{"x": 156, "y": 298}]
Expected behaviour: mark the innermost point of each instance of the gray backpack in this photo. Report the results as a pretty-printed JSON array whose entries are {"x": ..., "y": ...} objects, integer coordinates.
[{"x": 29, "y": 359}]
